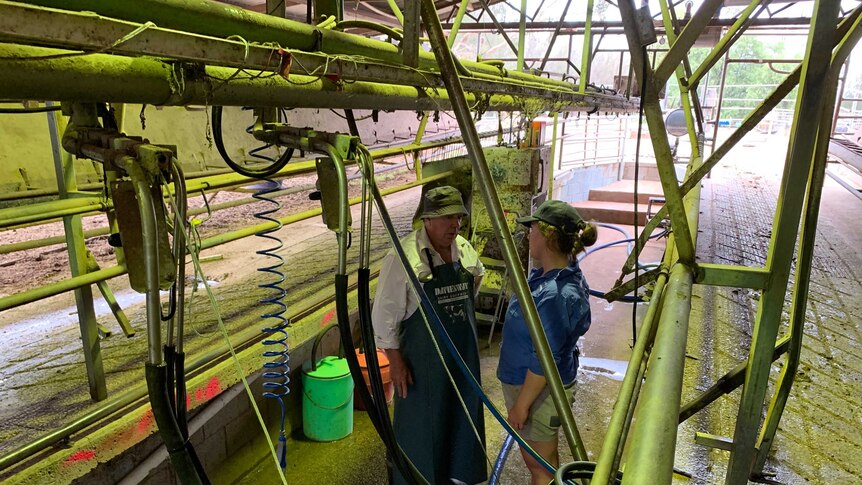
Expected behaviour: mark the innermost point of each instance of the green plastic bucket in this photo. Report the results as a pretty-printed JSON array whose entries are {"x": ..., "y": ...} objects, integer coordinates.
[{"x": 327, "y": 396}]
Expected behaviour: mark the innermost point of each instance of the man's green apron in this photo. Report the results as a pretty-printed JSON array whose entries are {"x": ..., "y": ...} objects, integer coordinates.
[{"x": 430, "y": 424}]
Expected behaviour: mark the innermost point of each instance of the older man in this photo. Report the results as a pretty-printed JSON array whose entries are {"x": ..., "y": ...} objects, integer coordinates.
[{"x": 444, "y": 442}]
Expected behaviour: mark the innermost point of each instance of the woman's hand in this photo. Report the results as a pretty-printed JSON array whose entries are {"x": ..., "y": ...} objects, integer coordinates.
[
  {"x": 518, "y": 416},
  {"x": 399, "y": 372}
]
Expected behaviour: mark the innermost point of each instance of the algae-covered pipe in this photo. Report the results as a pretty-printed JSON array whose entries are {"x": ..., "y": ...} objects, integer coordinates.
[
  {"x": 222, "y": 20},
  {"x": 98, "y": 78},
  {"x": 70, "y": 284},
  {"x": 627, "y": 397}
]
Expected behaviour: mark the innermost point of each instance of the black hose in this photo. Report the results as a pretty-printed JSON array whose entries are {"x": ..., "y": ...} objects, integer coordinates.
[
  {"x": 580, "y": 469},
  {"x": 259, "y": 173},
  {"x": 405, "y": 466},
  {"x": 169, "y": 352},
  {"x": 186, "y": 463},
  {"x": 180, "y": 382},
  {"x": 374, "y": 377}
]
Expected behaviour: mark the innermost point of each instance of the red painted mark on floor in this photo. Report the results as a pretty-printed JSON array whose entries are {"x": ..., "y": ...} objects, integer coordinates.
[
  {"x": 213, "y": 388},
  {"x": 199, "y": 394},
  {"x": 327, "y": 317},
  {"x": 188, "y": 401},
  {"x": 80, "y": 455},
  {"x": 145, "y": 422}
]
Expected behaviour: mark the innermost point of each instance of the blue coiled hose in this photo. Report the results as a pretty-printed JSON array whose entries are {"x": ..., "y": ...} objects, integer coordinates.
[{"x": 277, "y": 366}]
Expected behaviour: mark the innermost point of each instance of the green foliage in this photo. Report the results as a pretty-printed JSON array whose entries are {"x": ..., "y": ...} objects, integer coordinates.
[{"x": 746, "y": 84}]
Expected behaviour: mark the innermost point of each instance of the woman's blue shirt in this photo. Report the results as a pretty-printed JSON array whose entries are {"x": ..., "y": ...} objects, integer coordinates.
[{"x": 561, "y": 298}]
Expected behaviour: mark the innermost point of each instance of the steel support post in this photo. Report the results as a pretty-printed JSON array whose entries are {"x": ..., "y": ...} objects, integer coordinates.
[
  {"x": 412, "y": 31},
  {"x": 782, "y": 243},
  {"x": 420, "y": 132},
  {"x": 661, "y": 147},
  {"x": 111, "y": 177},
  {"x": 680, "y": 75},
  {"x": 586, "y": 57},
  {"x": 805, "y": 252},
  {"x": 64, "y": 169},
  {"x": 551, "y": 158},
  {"x": 498, "y": 221},
  {"x": 453, "y": 33},
  {"x": 522, "y": 36}
]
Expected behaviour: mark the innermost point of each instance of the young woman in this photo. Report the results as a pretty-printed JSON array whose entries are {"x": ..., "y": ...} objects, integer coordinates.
[{"x": 557, "y": 234}]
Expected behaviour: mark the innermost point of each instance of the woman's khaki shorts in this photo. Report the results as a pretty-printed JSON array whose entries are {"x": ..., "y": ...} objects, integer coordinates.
[{"x": 543, "y": 422}]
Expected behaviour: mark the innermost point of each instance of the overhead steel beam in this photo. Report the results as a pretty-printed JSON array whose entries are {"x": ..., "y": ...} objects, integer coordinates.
[
  {"x": 73, "y": 30},
  {"x": 578, "y": 25},
  {"x": 207, "y": 17},
  {"x": 106, "y": 78},
  {"x": 679, "y": 49}
]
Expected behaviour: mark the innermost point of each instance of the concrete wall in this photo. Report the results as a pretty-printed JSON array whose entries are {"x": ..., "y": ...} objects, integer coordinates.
[
  {"x": 24, "y": 142},
  {"x": 574, "y": 185}
]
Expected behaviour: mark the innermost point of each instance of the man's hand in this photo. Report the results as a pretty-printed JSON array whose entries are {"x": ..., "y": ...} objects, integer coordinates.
[
  {"x": 399, "y": 372},
  {"x": 518, "y": 416}
]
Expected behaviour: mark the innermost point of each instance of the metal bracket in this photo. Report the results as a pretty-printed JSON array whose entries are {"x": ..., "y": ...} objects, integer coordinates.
[{"x": 713, "y": 441}]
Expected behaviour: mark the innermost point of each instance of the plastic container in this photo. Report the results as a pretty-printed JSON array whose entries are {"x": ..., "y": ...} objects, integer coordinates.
[
  {"x": 327, "y": 396},
  {"x": 388, "y": 388}
]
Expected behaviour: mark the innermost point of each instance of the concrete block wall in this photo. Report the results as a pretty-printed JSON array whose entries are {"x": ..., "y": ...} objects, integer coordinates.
[{"x": 574, "y": 184}]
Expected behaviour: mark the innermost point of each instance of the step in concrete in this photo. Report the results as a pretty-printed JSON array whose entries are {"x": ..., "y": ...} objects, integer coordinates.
[
  {"x": 649, "y": 171},
  {"x": 623, "y": 191},
  {"x": 611, "y": 212}
]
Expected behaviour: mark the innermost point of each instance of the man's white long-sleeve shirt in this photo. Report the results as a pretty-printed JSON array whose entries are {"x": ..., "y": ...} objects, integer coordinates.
[{"x": 395, "y": 301}]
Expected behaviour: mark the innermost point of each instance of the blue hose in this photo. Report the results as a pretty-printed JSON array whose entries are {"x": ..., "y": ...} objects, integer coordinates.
[
  {"x": 501, "y": 460},
  {"x": 628, "y": 242},
  {"x": 276, "y": 368}
]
